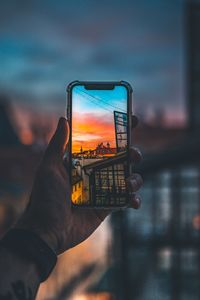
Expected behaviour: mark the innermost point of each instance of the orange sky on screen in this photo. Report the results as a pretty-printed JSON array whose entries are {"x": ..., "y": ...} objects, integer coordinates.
[{"x": 88, "y": 130}]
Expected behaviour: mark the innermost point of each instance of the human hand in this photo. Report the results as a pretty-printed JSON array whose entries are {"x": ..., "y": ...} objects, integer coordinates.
[{"x": 49, "y": 212}]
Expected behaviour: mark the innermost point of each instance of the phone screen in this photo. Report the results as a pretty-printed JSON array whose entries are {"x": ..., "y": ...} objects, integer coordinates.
[{"x": 99, "y": 143}]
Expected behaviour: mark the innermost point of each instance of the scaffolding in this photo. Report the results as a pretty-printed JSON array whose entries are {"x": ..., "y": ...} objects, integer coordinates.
[
  {"x": 107, "y": 181},
  {"x": 120, "y": 121},
  {"x": 107, "y": 177}
]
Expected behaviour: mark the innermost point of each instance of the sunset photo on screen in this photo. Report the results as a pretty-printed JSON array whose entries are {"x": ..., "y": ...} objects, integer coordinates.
[{"x": 99, "y": 145}]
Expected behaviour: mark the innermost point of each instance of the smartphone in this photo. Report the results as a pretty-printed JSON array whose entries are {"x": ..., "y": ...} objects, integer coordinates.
[{"x": 99, "y": 115}]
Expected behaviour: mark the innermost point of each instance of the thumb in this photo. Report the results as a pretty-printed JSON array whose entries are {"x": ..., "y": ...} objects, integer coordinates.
[{"x": 59, "y": 140}]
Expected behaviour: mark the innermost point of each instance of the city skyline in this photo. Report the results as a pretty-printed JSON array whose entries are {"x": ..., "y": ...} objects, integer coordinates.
[{"x": 100, "y": 146}]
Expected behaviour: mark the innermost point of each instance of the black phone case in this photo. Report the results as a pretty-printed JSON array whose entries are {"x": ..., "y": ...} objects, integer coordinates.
[{"x": 99, "y": 85}]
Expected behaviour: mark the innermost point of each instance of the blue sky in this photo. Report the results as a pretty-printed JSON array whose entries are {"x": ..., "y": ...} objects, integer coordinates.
[
  {"x": 46, "y": 44},
  {"x": 99, "y": 102}
]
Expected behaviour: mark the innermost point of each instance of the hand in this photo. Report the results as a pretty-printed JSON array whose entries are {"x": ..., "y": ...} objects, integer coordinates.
[{"x": 49, "y": 213}]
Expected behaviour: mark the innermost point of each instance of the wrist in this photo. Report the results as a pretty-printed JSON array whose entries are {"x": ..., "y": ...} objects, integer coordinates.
[
  {"x": 17, "y": 262},
  {"x": 48, "y": 237},
  {"x": 29, "y": 246},
  {"x": 17, "y": 272}
]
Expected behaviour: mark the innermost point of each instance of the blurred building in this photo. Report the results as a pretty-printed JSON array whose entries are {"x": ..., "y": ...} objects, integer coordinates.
[
  {"x": 157, "y": 248},
  {"x": 193, "y": 64}
]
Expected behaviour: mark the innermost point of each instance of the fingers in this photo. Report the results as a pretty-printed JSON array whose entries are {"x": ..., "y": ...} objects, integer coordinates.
[
  {"x": 135, "y": 155},
  {"x": 59, "y": 140},
  {"x": 134, "y": 183},
  {"x": 135, "y": 201}
]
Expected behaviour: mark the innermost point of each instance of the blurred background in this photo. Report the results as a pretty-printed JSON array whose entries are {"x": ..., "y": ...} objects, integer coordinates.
[{"x": 150, "y": 254}]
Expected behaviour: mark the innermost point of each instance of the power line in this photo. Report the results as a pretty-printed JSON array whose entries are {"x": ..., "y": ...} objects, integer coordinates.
[
  {"x": 98, "y": 104},
  {"x": 115, "y": 107}
]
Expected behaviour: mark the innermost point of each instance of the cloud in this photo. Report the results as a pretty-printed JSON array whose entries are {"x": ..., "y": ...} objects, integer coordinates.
[
  {"x": 90, "y": 129},
  {"x": 44, "y": 45}
]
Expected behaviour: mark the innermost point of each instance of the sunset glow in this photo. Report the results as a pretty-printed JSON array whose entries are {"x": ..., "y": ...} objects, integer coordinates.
[{"x": 89, "y": 130}]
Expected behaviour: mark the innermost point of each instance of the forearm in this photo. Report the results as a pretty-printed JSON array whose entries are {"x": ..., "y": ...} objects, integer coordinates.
[{"x": 19, "y": 278}]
